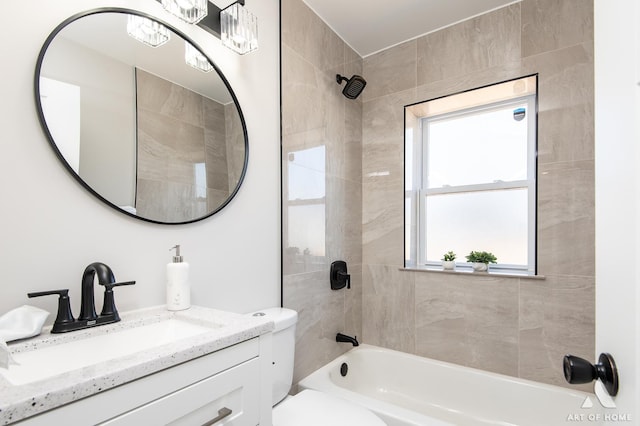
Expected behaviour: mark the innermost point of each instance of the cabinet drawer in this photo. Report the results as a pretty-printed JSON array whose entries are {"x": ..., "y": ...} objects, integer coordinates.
[
  {"x": 110, "y": 404},
  {"x": 236, "y": 389}
]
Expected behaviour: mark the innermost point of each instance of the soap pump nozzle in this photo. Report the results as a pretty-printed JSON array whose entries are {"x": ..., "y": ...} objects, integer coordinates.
[{"x": 176, "y": 258}]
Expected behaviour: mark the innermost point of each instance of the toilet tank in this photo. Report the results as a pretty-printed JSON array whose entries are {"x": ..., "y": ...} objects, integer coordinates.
[{"x": 284, "y": 344}]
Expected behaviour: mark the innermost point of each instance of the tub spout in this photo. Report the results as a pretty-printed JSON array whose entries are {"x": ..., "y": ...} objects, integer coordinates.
[{"x": 347, "y": 339}]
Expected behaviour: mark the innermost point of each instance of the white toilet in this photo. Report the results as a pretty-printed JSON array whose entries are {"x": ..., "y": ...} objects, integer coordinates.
[{"x": 309, "y": 407}]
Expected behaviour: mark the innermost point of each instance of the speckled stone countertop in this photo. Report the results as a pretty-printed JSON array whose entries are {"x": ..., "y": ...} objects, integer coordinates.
[{"x": 18, "y": 402}]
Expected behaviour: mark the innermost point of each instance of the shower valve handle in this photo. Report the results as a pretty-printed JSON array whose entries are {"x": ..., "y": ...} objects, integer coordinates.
[{"x": 338, "y": 276}]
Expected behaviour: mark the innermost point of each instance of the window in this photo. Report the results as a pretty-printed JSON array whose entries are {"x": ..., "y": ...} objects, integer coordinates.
[{"x": 470, "y": 177}]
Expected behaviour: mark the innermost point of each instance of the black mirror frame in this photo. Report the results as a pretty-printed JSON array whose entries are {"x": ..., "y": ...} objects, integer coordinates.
[{"x": 77, "y": 177}]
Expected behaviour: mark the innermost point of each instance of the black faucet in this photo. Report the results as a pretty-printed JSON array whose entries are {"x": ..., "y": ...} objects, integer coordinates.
[
  {"x": 88, "y": 318},
  {"x": 343, "y": 338},
  {"x": 88, "y": 304}
]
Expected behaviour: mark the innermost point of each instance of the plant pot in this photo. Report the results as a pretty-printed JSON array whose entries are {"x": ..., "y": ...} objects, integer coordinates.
[
  {"x": 448, "y": 265},
  {"x": 480, "y": 267}
]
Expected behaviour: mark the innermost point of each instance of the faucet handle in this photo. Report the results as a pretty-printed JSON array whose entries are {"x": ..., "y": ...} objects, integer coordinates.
[
  {"x": 64, "y": 315},
  {"x": 109, "y": 286},
  {"x": 109, "y": 304}
]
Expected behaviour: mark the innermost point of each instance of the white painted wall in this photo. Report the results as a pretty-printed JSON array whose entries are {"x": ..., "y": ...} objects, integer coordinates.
[
  {"x": 108, "y": 118},
  {"x": 617, "y": 130},
  {"x": 51, "y": 228}
]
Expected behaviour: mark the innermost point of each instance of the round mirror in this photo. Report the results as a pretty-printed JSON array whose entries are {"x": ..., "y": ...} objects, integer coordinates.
[{"x": 140, "y": 116}]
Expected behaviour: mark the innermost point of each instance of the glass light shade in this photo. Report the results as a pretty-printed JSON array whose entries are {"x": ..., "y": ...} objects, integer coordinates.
[
  {"x": 239, "y": 29},
  {"x": 195, "y": 58},
  {"x": 191, "y": 11},
  {"x": 147, "y": 31}
]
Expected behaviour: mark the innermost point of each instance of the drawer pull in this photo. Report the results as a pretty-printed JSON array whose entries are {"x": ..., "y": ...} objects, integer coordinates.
[{"x": 222, "y": 413}]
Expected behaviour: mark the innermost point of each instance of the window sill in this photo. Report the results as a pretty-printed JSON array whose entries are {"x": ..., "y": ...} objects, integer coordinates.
[{"x": 461, "y": 270}]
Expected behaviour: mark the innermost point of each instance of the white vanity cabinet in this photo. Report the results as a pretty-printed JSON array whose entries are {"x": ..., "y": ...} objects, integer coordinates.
[{"x": 229, "y": 387}]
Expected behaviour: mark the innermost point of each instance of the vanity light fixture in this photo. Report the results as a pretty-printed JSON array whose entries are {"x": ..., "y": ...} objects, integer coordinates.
[
  {"x": 239, "y": 28},
  {"x": 195, "y": 58},
  {"x": 235, "y": 26},
  {"x": 191, "y": 11},
  {"x": 147, "y": 31}
]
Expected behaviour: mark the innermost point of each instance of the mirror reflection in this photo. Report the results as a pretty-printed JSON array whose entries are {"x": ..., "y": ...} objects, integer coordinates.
[{"x": 143, "y": 129}]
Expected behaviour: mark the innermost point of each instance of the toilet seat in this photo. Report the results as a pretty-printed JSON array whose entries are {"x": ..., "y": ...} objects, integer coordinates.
[{"x": 313, "y": 408}]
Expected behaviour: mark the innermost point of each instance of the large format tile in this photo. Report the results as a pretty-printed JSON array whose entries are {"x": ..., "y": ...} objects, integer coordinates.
[
  {"x": 491, "y": 314},
  {"x": 565, "y": 103},
  {"x": 383, "y": 176},
  {"x": 302, "y": 94},
  {"x": 564, "y": 323},
  {"x": 169, "y": 99},
  {"x": 566, "y": 219},
  {"x": 321, "y": 315},
  {"x": 471, "y": 320},
  {"x": 216, "y": 160},
  {"x": 473, "y": 80},
  {"x": 236, "y": 145},
  {"x": 390, "y": 71},
  {"x": 151, "y": 199},
  {"x": 353, "y": 309},
  {"x": 304, "y": 32},
  {"x": 551, "y": 24},
  {"x": 485, "y": 41},
  {"x": 383, "y": 221},
  {"x": 344, "y": 220},
  {"x": 440, "y": 317},
  {"x": 383, "y": 133},
  {"x": 168, "y": 141},
  {"x": 388, "y": 307}
]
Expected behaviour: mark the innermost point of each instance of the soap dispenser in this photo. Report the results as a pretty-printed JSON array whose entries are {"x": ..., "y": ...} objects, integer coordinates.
[{"x": 178, "y": 288}]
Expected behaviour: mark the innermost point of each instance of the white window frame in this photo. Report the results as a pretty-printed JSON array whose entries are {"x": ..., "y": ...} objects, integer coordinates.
[{"x": 417, "y": 255}]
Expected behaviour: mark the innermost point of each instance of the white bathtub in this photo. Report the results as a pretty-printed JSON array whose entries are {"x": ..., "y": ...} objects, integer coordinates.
[{"x": 408, "y": 390}]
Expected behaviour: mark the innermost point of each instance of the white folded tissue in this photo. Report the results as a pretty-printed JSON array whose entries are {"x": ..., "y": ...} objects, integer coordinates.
[{"x": 20, "y": 323}]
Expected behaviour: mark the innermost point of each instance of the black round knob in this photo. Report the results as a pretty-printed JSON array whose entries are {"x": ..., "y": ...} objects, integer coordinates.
[{"x": 578, "y": 370}]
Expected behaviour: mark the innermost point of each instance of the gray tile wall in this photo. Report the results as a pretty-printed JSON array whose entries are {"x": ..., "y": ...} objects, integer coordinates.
[
  {"x": 166, "y": 187},
  {"x": 317, "y": 118},
  {"x": 519, "y": 327}
]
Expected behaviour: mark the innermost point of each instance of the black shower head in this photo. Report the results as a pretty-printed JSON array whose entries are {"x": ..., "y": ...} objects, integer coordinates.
[{"x": 354, "y": 85}]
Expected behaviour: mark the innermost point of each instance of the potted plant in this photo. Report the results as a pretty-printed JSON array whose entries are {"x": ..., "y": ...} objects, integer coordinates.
[
  {"x": 480, "y": 260},
  {"x": 449, "y": 260}
]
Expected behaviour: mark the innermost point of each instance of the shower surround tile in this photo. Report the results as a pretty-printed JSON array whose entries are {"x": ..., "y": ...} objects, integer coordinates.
[
  {"x": 388, "y": 295},
  {"x": 508, "y": 325},
  {"x": 469, "y": 320},
  {"x": 182, "y": 134},
  {"x": 168, "y": 99},
  {"x": 383, "y": 178},
  {"x": 304, "y": 32},
  {"x": 565, "y": 103},
  {"x": 563, "y": 323},
  {"x": 549, "y": 25},
  {"x": 353, "y": 308},
  {"x": 390, "y": 71},
  {"x": 316, "y": 117},
  {"x": 321, "y": 315},
  {"x": 344, "y": 220},
  {"x": 383, "y": 134},
  {"x": 471, "y": 81},
  {"x": 566, "y": 218},
  {"x": 301, "y": 94},
  {"x": 486, "y": 41},
  {"x": 236, "y": 142}
]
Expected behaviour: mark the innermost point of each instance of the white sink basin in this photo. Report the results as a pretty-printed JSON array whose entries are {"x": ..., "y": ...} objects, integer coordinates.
[{"x": 49, "y": 361}]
